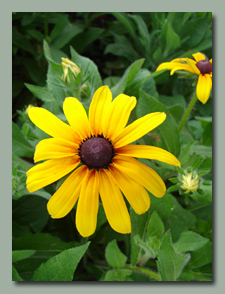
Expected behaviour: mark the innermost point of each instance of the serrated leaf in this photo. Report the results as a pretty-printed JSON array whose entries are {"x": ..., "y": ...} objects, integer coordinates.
[
  {"x": 62, "y": 266},
  {"x": 189, "y": 241},
  {"x": 170, "y": 263},
  {"x": 114, "y": 256}
]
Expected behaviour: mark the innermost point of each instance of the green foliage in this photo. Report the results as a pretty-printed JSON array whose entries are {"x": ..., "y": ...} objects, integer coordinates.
[{"x": 172, "y": 240}]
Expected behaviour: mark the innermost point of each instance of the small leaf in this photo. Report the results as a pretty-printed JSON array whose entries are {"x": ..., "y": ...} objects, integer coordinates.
[
  {"x": 170, "y": 264},
  {"x": 148, "y": 250},
  {"x": 114, "y": 256},
  {"x": 62, "y": 266},
  {"x": 118, "y": 275},
  {"x": 155, "y": 226},
  {"x": 190, "y": 241}
]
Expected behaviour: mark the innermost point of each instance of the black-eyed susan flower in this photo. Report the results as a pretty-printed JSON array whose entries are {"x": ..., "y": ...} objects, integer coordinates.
[
  {"x": 190, "y": 182},
  {"x": 95, "y": 148},
  {"x": 200, "y": 66}
]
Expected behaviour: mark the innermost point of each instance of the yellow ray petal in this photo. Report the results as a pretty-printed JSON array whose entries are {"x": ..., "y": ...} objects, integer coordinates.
[
  {"x": 50, "y": 171},
  {"x": 175, "y": 65},
  {"x": 52, "y": 125},
  {"x": 116, "y": 118},
  {"x": 198, "y": 56},
  {"x": 64, "y": 199},
  {"x": 149, "y": 152},
  {"x": 193, "y": 66},
  {"x": 204, "y": 87},
  {"x": 136, "y": 194},
  {"x": 88, "y": 203},
  {"x": 54, "y": 148},
  {"x": 114, "y": 204},
  {"x": 77, "y": 117},
  {"x": 100, "y": 103},
  {"x": 139, "y": 128},
  {"x": 141, "y": 173}
]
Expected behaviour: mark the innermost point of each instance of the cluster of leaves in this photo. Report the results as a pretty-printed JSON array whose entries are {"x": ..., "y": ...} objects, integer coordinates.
[{"x": 172, "y": 241}]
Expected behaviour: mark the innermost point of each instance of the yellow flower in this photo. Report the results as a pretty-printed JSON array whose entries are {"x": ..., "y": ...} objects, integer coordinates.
[
  {"x": 190, "y": 184},
  {"x": 200, "y": 66},
  {"x": 95, "y": 148},
  {"x": 66, "y": 63}
]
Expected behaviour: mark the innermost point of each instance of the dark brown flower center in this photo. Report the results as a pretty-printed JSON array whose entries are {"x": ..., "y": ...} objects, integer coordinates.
[
  {"x": 204, "y": 66},
  {"x": 96, "y": 152}
]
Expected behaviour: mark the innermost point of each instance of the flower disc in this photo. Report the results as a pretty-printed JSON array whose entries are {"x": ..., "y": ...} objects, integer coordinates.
[
  {"x": 96, "y": 152},
  {"x": 204, "y": 66}
]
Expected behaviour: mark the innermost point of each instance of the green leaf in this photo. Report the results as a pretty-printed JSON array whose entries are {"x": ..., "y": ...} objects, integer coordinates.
[
  {"x": 207, "y": 135},
  {"x": 31, "y": 210},
  {"x": 155, "y": 226},
  {"x": 132, "y": 88},
  {"x": 205, "y": 196},
  {"x": 15, "y": 275},
  {"x": 21, "y": 254},
  {"x": 148, "y": 249},
  {"x": 88, "y": 67},
  {"x": 62, "y": 266},
  {"x": 193, "y": 31},
  {"x": 189, "y": 241},
  {"x": 126, "y": 22},
  {"x": 179, "y": 220},
  {"x": 170, "y": 263},
  {"x": 41, "y": 92},
  {"x": 201, "y": 256},
  {"x": 139, "y": 226},
  {"x": 127, "y": 77},
  {"x": 166, "y": 135},
  {"x": 68, "y": 32},
  {"x": 114, "y": 256},
  {"x": 170, "y": 39},
  {"x": 20, "y": 145},
  {"x": 118, "y": 275}
]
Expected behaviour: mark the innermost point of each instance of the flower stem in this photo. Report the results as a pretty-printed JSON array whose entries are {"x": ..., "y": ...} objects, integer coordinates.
[
  {"x": 186, "y": 114},
  {"x": 144, "y": 271}
]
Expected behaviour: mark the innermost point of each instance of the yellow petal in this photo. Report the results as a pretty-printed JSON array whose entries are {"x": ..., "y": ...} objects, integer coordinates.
[
  {"x": 204, "y": 87},
  {"x": 141, "y": 173},
  {"x": 64, "y": 199},
  {"x": 99, "y": 105},
  {"x": 139, "y": 128},
  {"x": 149, "y": 152},
  {"x": 193, "y": 66},
  {"x": 54, "y": 148},
  {"x": 114, "y": 204},
  {"x": 50, "y": 171},
  {"x": 77, "y": 117},
  {"x": 136, "y": 194},
  {"x": 88, "y": 203},
  {"x": 116, "y": 118},
  {"x": 52, "y": 125},
  {"x": 198, "y": 56},
  {"x": 175, "y": 65}
]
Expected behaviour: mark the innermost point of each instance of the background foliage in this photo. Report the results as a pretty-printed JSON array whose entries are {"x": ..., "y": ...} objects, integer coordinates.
[{"x": 173, "y": 240}]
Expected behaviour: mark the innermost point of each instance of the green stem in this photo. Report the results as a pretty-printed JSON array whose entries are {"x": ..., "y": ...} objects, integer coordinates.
[
  {"x": 144, "y": 271},
  {"x": 186, "y": 114}
]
